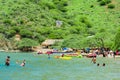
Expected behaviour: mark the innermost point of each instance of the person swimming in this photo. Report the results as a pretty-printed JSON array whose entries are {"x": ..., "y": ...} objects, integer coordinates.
[
  {"x": 7, "y": 62},
  {"x": 98, "y": 64},
  {"x": 23, "y": 63},
  {"x": 103, "y": 64}
]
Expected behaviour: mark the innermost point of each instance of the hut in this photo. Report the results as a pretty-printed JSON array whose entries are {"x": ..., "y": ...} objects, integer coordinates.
[{"x": 49, "y": 42}]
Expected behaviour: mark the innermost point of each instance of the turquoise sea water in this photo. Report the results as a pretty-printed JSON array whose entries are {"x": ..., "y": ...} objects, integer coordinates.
[{"x": 39, "y": 67}]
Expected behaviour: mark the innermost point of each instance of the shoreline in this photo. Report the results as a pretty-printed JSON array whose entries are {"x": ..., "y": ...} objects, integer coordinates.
[
  {"x": 45, "y": 50},
  {"x": 84, "y": 55}
]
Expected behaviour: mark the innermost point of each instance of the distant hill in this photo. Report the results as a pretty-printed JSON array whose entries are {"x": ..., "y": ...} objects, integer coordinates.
[{"x": 60, "y": 19}]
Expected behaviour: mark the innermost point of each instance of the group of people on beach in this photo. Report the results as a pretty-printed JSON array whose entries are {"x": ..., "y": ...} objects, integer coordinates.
[
  {"x": 105, "y": 52},
  {"x": 7, "y": 62}
]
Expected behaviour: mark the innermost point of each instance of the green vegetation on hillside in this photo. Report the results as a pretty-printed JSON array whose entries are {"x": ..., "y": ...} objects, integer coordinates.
[
  {"x": 117, "y": 40},
  {"x": 36, "y": 20}
]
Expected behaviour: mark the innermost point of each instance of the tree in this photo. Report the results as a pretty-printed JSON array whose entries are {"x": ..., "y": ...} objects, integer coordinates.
[
  {"x": 26, "y": 44},
  {"x": 7, "y": 44},
  {"x": 101, "y": 36},
  {"x": 26, "y": 33},
  {"x": 111, "y": 6},
  {"x": 75, "y": 41},
  {"x": 117, "y": 40},
  {"x": 58, "y": 34},
  {"x": 3, "y": 41}
]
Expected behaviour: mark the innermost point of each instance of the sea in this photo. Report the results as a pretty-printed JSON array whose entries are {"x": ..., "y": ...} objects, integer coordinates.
[{"x": 44, "y": 67}]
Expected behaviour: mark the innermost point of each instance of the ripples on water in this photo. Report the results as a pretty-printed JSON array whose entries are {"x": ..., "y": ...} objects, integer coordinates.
[{"x": 39, "y": 67}]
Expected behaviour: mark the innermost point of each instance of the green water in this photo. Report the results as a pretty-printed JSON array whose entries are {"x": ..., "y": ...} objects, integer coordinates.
[{"x": 39, "y": 67}]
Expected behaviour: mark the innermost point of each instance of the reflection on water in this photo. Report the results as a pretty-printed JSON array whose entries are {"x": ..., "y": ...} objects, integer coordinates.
[{"x": 39, "y": 67}]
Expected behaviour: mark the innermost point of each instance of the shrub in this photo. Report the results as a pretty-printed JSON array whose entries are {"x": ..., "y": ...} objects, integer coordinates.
[
  {"x": 111, "y": 6},
  {"x": 25, "y": 33},
  {"x": 116, "y": 44},
  {"x": 7, "y": 21},
  {"x": 107, "y": 1},
  {"x": 91, "y": 6},
  {"x": 102, "y": 3},
  {"x": 50, "y": 5},
  {"x": 40, "y": 38},
  {"x": 99, "y": 0},
  {"x": 13, "y": 23},
  {"x": 57, "y": 34},
  {"x": 61, "y": 5},
  {"x": 88, "y": 24},
  {"x": 26, "y": 44},
  {"x": 63, "y": 9},
  {"x": 65, "y": 4}
]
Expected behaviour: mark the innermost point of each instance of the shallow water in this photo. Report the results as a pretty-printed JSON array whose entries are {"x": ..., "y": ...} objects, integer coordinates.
[{"x": 39, "y": 67}]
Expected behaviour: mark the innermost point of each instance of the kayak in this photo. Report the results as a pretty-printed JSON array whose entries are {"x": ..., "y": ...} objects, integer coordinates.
[{"x": 66, "y": 58}]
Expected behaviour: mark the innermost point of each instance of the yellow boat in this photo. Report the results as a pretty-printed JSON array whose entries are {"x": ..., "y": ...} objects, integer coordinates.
[{"x": 66, "y": 58}]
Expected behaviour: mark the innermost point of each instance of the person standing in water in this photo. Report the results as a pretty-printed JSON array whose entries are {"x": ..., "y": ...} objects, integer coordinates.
[
  {"x": 48, "y": 56},
  {"x": 7, "y": 62},
  {"x": 62, "y": 55},
  {"x": 114, "y": 53},
  {"x": 94, "y": 60}
]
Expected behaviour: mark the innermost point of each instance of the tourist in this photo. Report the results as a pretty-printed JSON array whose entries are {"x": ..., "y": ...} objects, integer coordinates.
[
  {"x": 7, "y": 62},
  {"x": 23, "y": 63},
  {"x": 48, "y": 56},
  {"x": 104, "y": 55},
  {"x": 94, "y": 60},
  {"x": 103, "y": 64},
  {"x": 62, "y": 55},
  {"x": 98, "y": 64},
  {"x": 114, "y": 53}
]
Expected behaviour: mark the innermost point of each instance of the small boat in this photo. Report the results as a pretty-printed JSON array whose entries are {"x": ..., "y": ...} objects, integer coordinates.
[
  {"x": 66, "y": 58},
  {"x": 49, "y": 52},
  {"x": 91, "y": 55}
]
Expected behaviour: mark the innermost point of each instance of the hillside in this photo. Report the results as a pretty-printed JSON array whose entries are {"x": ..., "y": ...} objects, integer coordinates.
[{"x": 77, "y": 19}]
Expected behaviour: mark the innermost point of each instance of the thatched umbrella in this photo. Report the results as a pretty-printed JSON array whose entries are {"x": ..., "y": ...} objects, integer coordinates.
[{"x": 48, "y": 42}]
